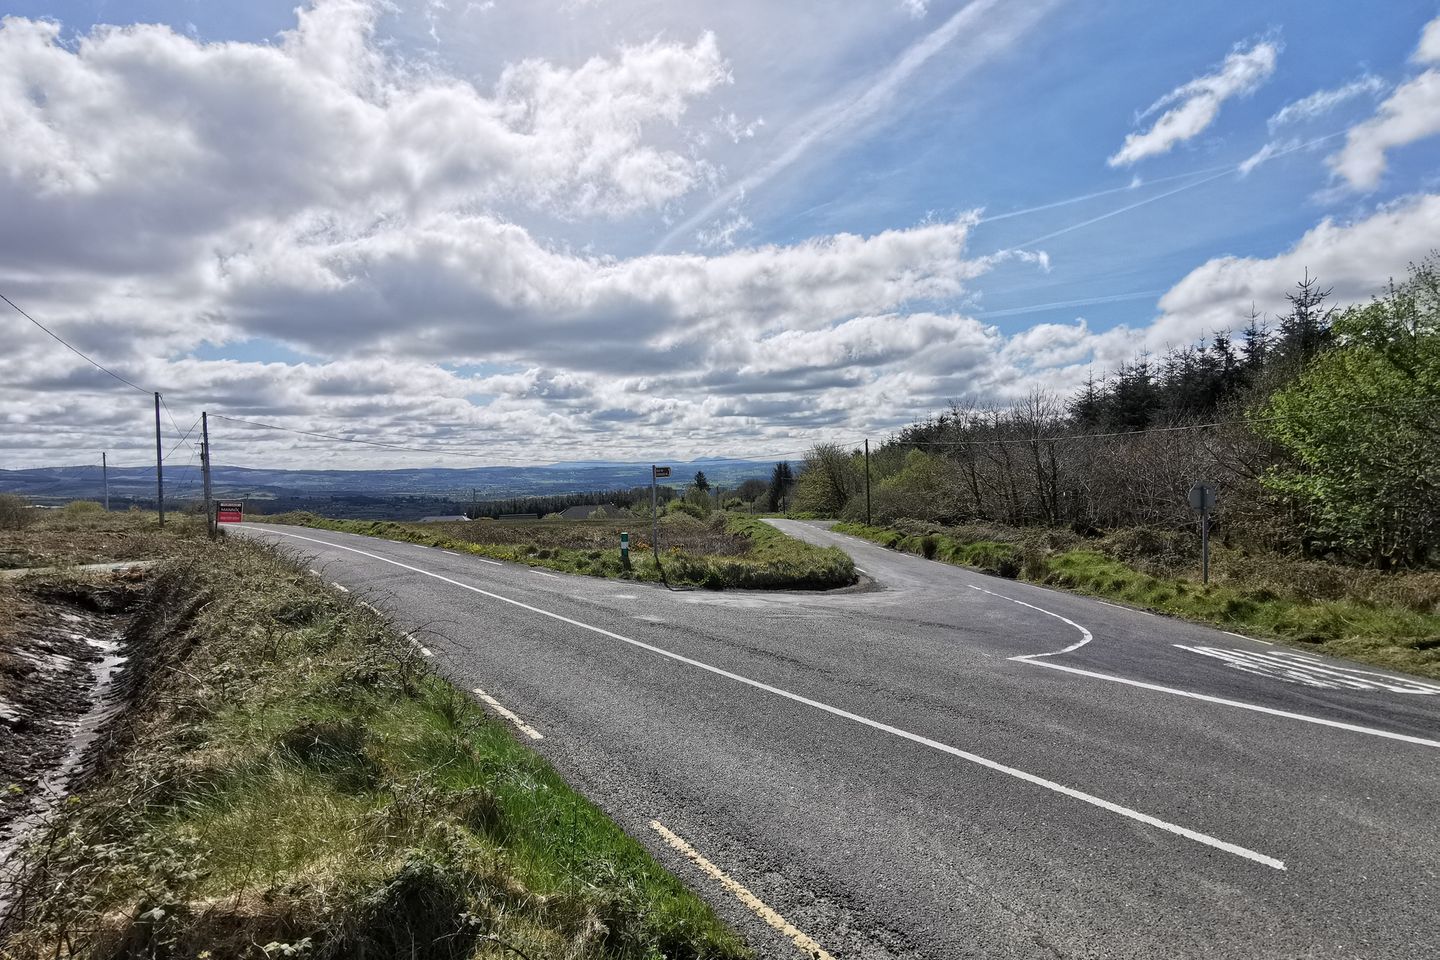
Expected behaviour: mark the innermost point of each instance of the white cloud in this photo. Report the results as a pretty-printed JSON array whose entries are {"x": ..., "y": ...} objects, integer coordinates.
[
  {"x": 1198, "y": 102},
  {"x": 1409, "y": 114},
  {"x": 1429, "y": 49},
  {"x": 1354, "y": 258},
  {"x": 1322, "y": 102},
  {"x": 916, "y": 8}
]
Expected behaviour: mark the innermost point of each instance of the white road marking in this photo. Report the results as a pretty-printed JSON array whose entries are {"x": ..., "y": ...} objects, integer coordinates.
[
  {"x": 622, "y": 596},
  {"x": 1251, "y": 639},
  {"x": 340, "y": 588},
  {"x": 1085, "y": 635},
  {"x": 493, "y": 563},
  {"x": 369, "y": 607},
  {"x": 1121, "y": 606},
  {"x": 427, "y": 652},
  {"x": 862, "y": 570},
  {"x": 542, "y": 573},
  {"x": 316, "y": 572},
  {"x": 521, "y": 725},
  {"x": 757, "y": 906},
  {"x": 945, "y": 748},
  {"x": 648, "y": 619},
  {"x": 453, "y": 553},
  {"x": 1311, "y": 671},
  {"x": 1321, "y": 721}
]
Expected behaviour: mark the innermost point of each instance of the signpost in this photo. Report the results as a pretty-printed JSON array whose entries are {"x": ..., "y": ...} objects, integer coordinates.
[
  {"x": 625, "y": 550},
  {"x": 656, "y": 473},
  {"x": 1202, "y": 499},
  {"x": 229, "y": 511}
]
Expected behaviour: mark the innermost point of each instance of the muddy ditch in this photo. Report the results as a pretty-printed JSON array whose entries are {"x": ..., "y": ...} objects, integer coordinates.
[{"x": 63, "y": 649}]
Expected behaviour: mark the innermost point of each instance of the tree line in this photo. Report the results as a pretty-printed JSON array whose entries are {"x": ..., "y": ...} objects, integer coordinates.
[{"x": 1320, "y": 427}]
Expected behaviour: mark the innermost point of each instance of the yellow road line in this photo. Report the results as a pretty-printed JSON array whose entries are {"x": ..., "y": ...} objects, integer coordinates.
[{"x": 756, "y": 905}]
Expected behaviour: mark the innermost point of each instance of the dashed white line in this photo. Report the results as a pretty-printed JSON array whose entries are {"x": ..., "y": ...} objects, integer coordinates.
[
  {"x": 945, "y": 748},
  {"x": 340, "y": 588},
  {"x": 542, "y": 573},
  {"x": 315, "y": 572},
  {"x": 1243, "y": 637},
  {"x": 369, "y": 607},
  {"x": 499, "y": 708},
  {"x": 493, "y": 563},
  {"x": 757, "y": 906}
]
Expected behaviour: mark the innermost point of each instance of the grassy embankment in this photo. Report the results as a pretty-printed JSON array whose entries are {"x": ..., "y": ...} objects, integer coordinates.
[
  {"x": 291, "y": 780},
  {"x": 1391, "y": 620},
  {"x": 729, "y": 551}
]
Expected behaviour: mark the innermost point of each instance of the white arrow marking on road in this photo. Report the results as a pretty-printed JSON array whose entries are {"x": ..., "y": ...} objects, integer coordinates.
[{"x": 974, "y": 758}]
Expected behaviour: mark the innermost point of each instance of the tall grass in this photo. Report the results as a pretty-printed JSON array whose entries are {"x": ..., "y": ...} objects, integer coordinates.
[{"x": 293, "y": 781}]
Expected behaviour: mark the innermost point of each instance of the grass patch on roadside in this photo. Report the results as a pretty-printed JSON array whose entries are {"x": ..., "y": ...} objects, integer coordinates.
[
  {"x": 292, "y": 780},
  {"x": 725, "y": 551},
  {"x": 1388, "y": 620}
]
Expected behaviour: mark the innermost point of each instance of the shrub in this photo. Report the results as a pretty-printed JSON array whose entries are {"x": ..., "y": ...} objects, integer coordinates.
[
  {"x": 15, "y": 513},
  {"x": 928, "y": 546},
  {"x": 81, "y": 508}
]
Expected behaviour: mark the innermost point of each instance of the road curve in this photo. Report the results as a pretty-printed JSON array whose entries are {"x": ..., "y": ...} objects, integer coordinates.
[{"x": 950, "y": 764}]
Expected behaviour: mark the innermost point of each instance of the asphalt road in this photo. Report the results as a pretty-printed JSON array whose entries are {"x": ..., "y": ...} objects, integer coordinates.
[{"x": 956, "y": 765}]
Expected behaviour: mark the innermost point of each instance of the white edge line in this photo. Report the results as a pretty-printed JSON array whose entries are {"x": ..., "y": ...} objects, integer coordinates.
[
  {"x": 340, "y": 588},
  {"x": 1337, "y": 724},
  {"x": 508, "y": 714},
  {"x": 976, "y": 759},
  {"x": 1085, "y": 635},
  {"x": 493, "y": 563},
  {"x": 542, "y": 573},
  {"x": 1242, "y": 636},
  {"x": 757, "y": 906}
]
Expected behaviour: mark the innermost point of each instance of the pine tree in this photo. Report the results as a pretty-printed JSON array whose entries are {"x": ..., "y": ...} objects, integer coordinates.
[
  {"x": 700, "y": 482},
  {"x": 1304, "y": 330}
]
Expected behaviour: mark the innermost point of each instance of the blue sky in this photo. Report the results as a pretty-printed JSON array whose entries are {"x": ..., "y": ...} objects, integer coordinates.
[{"x": 746, "y": 227}]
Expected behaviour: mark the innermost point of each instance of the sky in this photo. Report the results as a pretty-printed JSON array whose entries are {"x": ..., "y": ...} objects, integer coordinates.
[{"x": 520, "y": 231}]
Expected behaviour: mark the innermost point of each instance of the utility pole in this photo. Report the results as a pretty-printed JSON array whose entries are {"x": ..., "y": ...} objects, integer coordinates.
[
  {"x": 867, "y": 481},
  {"x": 205, "y": 473},
  {"x": 159, "y": 470},
  {"x": 105, "y": 476}
]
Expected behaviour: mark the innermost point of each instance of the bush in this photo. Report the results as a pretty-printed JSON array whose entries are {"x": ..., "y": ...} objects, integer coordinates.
[
  {"x": 82, "y": 508},
  {"x": 928, "y": 546},
  {"x": 15, "y": 513}
]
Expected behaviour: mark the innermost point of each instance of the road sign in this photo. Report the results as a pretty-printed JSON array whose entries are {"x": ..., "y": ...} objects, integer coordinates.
[
  {"x": 1202, "y": 497},
  {"x": 229, "y": 511},
  {"x": 661, "y": 473}
]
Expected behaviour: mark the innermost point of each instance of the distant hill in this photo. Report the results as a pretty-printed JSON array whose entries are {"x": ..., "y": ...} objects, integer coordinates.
[{"x": 295, "y": 489}]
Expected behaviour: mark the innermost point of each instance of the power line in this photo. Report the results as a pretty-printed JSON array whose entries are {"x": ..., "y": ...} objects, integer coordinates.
[
  {"x": 182, "y": 440},
  {"x": 72, "y": 349}
]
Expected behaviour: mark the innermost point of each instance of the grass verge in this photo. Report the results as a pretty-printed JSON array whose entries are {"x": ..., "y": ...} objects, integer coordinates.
[
  {"x": 1387, "y": 620},
  {"x": 723, "y": 552},
  {"x": 291, "y": 781}
]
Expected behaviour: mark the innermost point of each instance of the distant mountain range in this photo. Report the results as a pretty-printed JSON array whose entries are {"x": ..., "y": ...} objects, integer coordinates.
[{"x": 137, "y": 484}]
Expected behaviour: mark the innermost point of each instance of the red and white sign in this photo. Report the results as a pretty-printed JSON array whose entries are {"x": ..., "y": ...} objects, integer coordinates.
[{"x": 229, "y": 511}]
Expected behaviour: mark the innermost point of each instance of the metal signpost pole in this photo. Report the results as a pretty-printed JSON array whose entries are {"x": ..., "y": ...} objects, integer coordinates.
[
  {"x": 105, "y": 474},
  {"x": 654, "y": 519},
  {"x": 1205, "y": 544}
]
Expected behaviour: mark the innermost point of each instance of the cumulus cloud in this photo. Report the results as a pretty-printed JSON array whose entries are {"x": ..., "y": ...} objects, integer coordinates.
[
  {"x": 1409, "y": 114},
  {"x": 1195, "y": 105},
  {"x": 1352, "y": 257}
]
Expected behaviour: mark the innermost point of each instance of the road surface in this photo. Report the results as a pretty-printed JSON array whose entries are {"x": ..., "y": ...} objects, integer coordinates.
[{"x": 949, "y": 764}]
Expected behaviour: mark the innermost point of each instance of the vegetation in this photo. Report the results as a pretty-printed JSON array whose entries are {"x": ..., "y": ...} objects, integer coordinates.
[
  {"x": 85, "y": 533},
  {"x": 291, "y": 781},
  {"x": 1319, "y": 439},
  {"x": 717, "y": 552},
  {"x": 1389, "y": 619}
]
